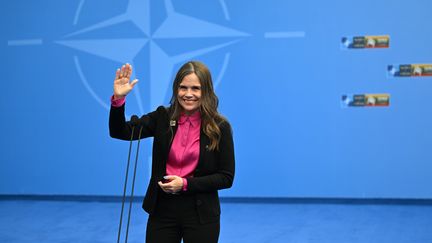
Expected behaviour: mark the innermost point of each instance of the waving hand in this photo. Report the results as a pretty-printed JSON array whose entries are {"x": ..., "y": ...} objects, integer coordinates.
[{"x": 122, "y": 83}]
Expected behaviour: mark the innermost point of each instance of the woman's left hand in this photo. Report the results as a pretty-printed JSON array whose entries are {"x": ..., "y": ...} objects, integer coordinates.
[{"x": 173, "y": 185}]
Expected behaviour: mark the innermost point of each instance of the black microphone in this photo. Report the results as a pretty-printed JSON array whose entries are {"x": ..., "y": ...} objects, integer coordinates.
[
  {"x": 134, "y": 122},
  {"x": 144, "y": 121}
]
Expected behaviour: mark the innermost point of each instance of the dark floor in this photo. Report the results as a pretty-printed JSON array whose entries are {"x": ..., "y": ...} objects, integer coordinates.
[{"x": 23, "y": 221}]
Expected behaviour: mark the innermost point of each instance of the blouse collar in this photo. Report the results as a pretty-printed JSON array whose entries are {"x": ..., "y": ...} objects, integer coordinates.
[{"x": 195, "y": 118}]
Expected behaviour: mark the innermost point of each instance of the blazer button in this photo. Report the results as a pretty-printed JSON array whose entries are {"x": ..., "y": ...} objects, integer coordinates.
[{"x": 198, "y": 202}]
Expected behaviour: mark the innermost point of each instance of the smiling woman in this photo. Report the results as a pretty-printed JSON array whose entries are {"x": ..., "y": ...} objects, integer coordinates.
[{"x": 193, "y": 155}]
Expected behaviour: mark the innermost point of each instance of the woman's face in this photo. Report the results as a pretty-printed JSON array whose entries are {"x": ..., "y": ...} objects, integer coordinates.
[{"x": 189, "y": 93}]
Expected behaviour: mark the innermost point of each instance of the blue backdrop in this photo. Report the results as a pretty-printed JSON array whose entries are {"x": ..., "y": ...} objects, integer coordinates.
[{"x": 279, "y": 72}]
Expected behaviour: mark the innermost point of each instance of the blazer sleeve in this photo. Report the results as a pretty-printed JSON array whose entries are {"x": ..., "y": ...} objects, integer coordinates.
[
  {"x": 224, "y": 176},
  {"x": 121, "y": 129}
]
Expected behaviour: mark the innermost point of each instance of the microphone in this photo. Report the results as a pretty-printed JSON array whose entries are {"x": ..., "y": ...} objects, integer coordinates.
[
  {"x": 134, "y": 122},
  {"x": 144, "y": 121}
]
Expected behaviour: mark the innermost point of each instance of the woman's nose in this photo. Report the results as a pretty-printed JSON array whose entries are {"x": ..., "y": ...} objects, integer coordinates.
[{"x": 189, "y": 93}]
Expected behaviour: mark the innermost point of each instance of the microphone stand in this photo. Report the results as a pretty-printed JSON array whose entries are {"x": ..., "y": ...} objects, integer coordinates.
[{"x": 134, "y": 123}]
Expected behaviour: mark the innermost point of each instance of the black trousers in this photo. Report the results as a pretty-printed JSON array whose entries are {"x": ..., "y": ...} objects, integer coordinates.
[{"x": 176, "y": 218}]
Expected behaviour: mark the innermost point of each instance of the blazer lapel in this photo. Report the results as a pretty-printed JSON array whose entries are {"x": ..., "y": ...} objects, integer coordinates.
[
  {"x": 204, "y": 141},
  {"x": 171, "y": 134},
  {"x": 167, "y": 144}
]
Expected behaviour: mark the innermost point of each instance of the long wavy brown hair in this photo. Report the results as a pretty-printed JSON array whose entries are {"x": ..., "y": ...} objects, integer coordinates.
[{"x": 210, "y": 117}]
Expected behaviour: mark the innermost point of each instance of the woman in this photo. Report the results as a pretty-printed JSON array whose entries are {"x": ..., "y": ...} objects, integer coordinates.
[{"x": 193, "y": 155}]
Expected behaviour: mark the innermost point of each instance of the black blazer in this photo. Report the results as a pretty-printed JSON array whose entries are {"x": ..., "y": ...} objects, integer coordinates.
[{"x": 215, "y": 169}]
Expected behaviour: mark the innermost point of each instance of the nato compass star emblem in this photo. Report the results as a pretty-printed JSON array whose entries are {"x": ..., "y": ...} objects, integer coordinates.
[
  {"x": 175, "y": 26},
  {"x": 159, "y": 63}
]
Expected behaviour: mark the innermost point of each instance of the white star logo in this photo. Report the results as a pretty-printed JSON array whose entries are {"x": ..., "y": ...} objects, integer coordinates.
[{"x": 174, "y": 26}]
